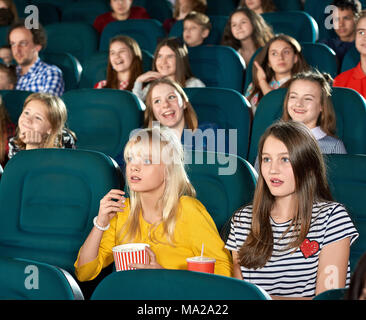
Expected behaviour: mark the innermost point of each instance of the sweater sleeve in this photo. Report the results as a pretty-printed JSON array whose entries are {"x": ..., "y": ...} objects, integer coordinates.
[
  {"x": 202, "y": 230},
  {"x": 91, "y": 270}
]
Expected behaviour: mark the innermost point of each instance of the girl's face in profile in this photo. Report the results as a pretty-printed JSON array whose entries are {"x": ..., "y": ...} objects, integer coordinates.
[
  {"x": 281, "y": 58},
  {"x": 144, "y": 172},
  {"x": 34, "y": 117},
  {"x": 168, "y": 106},
  {"x": 304, "y": 102},
  {"x": 120, "y": 56},
  {"x": 276, "y": 168},
  {"x": 166, "y": 61},
  {"x": 241, "y": 27}
]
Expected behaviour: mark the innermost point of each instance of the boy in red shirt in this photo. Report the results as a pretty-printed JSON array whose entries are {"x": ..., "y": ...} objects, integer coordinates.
[{"x": 121, "y": 10}]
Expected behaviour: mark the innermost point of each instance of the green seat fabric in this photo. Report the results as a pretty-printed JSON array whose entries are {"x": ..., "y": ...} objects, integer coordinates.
[
  {"x": 95, "y": 68},
  {"x": 228, "y": 109},
  {"x": 350, "y": 125},
  {"x": 298, "y": 24},
  {"x": 84, "y": 11},
  {"x": 77, "y": 38},
  {"x": 69, "y": 65},
  {"x": 218, "y": 25},
  {"x": 285, "y": 5},
  {"x": 268, "y": 111},
  {"x": 157, "y": 9},
  {"x": 350, "y": 60},
  {"x": 23, "y": 279},
  {"x": 333, "y": 294},
  {"x": 219, "y": 7},
  {"x": 147, "y": 33},
  {"x": 13, "y": 101},
  {"x": 347, "y": 180},
  {"x": 102, "y": 119},
  {"x": 165, "y": 284},
  {"x": 218, "y": 66},
  {"x": 321, "y": 57},
  {"x": 223, "y": 183},
  {"x": 48, "y": 199}
]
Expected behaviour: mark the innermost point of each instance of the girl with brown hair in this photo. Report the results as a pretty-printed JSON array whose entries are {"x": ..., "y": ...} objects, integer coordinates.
[
  {"x": 124, "y": 64},
  {"x": 246, "y": 31},
  {"x": 170, "y": 60},
  {"x": 258, "y": 6},
  {"x": 7, "y": 130},
  {"x": 293, "y": 240},
  {"x": 279, "y": 59}
]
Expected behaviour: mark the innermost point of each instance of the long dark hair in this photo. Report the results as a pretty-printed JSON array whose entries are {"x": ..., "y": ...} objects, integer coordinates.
[
  {"x": 262, "y": 59},
  {"x": 136, "y": 68},
  {"x": 262, "y": 32},
  {"x": 310, "y": 186},
  {"x": 183, "y": 69}
]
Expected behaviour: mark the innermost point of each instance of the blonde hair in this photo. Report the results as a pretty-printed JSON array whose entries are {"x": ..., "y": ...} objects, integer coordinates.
[
  {"x": 56, "y": 115},
  {"x": 165, "y": 143}
]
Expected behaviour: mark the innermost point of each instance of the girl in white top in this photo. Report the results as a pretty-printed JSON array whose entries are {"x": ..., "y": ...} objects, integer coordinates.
[
  {"x": 293, "y": 241},
  {"x": 308, "y": 100},
  {"x": 170, "y": 60}
]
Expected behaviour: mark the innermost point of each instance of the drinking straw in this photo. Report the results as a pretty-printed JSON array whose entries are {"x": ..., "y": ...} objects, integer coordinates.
[{"x": 202, "y": 250}]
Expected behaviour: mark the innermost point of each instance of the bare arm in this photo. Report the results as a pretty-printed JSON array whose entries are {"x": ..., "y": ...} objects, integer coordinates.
[
  {"x": 262, "y": 79},
  {"x": 236, "y": 266},
  {"x": 107, "y": 210},
  {"x": 332, "y": 268}
]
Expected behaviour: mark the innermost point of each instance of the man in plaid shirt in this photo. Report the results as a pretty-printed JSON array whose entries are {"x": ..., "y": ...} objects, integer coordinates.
[{"x": 33, "y": 74}]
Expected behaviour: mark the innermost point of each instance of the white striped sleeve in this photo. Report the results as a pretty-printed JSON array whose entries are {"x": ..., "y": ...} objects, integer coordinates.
[{"x": 339, "y": 226}]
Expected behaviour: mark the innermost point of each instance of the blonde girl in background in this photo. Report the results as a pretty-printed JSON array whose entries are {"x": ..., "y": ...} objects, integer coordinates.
[{"x": 42, "y": 125}]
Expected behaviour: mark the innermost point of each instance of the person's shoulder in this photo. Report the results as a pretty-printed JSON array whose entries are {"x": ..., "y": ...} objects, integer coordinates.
[
  {"x": 194, "y": 82},
  {"x": 327, "y": 208},
  {"x": 103, "y": 16},
  {"x": 344, "y": 76},
  {"x": 138, "y": 12},
  {"x": 49, "y": 68}
]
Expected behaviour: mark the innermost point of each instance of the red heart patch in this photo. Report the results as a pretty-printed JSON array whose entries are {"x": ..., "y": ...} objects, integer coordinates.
[{"x": 308, "y": 248}]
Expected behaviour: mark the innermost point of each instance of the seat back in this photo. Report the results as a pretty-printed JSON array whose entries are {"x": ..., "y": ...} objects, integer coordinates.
[
  {"x": 350, "y": 109},
  {"x": 48, "y": 200},
  {"x": 102, "y": 119},
  {"x": 48, "y": 13},
  {"x": 228, "y": 109},
  {"x": 268, "y": 111},
  {"x": 321, "y": 57},
  {"x": 350, "y": 125},
  {"x": 69, "y": 65},
  {"x": 77, "y": 38},
  {"x": 218, "y": 66},
  {"x": 165, "y": 284},
  {"x": 218, "y": 25},
  {"x": 95, "y": 68},
  {"x": 84, "y": 11},
  {"x": 347, "y": 180},
  {"x": 298, "y": 24},
  {"x": 147, "y": 33},
  {"x": 219, "y": 7},
  {"x": 229, "y": 178},
  {"x": 317, "y": 9},
  {"x": 350, "y": 59},
  {"x": 13, "y": 101},
  {"x": 332, "y": 294},
  {"x": 157, "y": 9},
  {"x": 23, "y": 279},
  {"x": 285, "y": 5}
]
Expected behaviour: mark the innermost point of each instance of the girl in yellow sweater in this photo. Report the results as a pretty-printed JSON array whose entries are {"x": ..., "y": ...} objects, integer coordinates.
[{"x": 161, "y": 211}]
